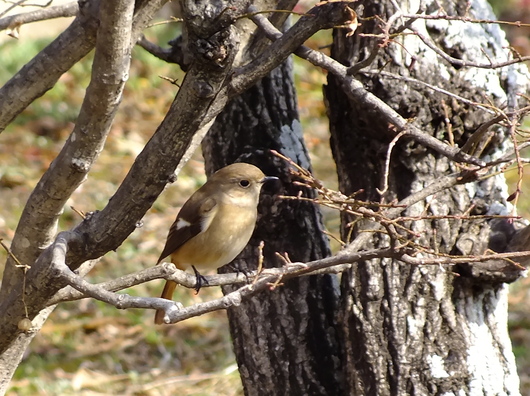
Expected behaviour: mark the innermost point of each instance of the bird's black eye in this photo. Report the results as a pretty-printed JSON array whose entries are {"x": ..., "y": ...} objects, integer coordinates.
[{"x": 244, "y": 183}]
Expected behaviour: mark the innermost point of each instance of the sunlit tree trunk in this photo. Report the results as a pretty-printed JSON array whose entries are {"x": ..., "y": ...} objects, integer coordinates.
[{"x": 424, "y": 330}]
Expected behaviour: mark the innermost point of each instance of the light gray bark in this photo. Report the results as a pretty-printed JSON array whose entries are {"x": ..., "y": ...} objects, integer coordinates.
[{"x": 418, "y": 330}]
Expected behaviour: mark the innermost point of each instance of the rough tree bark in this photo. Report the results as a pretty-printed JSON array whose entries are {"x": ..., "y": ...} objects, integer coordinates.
[
  {"x": 284, "y": 340},
  {"x": 425, "y": 330}
]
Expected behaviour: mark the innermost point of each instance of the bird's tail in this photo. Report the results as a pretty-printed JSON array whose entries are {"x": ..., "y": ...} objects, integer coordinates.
[{"x": 167, "y": 293}]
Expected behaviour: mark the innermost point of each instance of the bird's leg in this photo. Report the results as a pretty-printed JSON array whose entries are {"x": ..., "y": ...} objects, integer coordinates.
[{"x": 199, "y": 280}]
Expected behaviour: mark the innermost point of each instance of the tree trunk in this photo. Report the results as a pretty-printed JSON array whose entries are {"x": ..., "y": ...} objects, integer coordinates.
[
  {"x": 284, "y": 340},
  {"x": 424, "y": 330}
]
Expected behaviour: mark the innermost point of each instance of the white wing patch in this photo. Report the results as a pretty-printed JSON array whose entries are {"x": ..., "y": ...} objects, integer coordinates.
[{"x": 181, "y": 223}]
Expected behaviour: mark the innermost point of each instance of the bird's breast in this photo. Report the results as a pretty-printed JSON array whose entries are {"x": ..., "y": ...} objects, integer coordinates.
[{"x": 226, "y": 236}]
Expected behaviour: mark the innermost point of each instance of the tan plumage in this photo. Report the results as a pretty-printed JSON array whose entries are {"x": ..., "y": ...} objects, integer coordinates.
[{"x": 215, "y": 224}]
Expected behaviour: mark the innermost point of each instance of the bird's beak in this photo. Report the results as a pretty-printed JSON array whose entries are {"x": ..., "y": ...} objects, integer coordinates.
[{"x": 268, "y": 178}]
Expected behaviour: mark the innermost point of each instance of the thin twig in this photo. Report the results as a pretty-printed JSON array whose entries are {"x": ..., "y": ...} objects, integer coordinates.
[
  {"x": 24, "y": 268},
  {"x": 387, "y": 162},
  {"x": 459, "y": 62}
]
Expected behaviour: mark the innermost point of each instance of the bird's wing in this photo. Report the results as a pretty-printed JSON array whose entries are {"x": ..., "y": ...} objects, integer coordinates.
[{"x": 191, "y": 220}]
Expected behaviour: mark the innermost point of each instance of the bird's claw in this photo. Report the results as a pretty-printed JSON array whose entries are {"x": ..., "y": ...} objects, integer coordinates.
[{"x": 200, "y": 280}]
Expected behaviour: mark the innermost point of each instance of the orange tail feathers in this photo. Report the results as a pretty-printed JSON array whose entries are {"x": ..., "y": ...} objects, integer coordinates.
[{"x": 167, "y": 293}]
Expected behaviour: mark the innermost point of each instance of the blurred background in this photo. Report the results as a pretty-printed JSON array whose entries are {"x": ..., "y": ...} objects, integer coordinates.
[{"x": 89, "y": 348}]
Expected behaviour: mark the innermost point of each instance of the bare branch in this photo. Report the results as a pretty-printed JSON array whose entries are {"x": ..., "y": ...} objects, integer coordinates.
[
  {"x": 323, "y": 16},
  {"x": 459, "y": 62},
  {"x": 176, "y": 313},
  {"x": 109, "y": 73},
  {"x": 464, "y": 19},
  {"x": 453, "y": 260},
  {"x": 45, "y": 64},
  {"x": 494, "y": 267},
  {"x": 170, "y": 55},
  {"x": 120, "y": 301},
  {"x": 123, "y": 282},
  {"x": 387, "y": 162},
  {"x": 260, "y": 41},
  {"x": 43, "y": 71},
  {"x": 355, "y": 90},
  {"x": 459, "y": 98},
  {"x": 59, "y": 11},
  {"x": 166, "y": 271}
]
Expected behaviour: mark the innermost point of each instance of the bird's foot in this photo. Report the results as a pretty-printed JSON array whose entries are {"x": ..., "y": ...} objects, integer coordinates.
[{"x": 200, "y": 280}]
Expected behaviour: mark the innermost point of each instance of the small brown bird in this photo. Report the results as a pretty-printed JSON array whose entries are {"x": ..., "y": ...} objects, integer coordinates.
[{"x": 215, "y": 223}]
